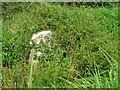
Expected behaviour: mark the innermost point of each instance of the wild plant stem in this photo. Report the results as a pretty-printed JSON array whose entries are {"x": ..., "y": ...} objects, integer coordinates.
[{"x": 30, "y": 75}]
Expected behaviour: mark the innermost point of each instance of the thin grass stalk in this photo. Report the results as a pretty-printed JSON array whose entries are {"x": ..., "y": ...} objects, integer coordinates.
[{"x": 30, "y": 74}]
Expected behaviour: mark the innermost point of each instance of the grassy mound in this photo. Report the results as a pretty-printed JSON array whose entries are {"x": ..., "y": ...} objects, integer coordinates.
[{"x": 85, "y": 44}]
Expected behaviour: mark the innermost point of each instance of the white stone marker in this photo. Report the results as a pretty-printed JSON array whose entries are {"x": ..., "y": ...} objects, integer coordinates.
[{"x": 36, "y": 38}]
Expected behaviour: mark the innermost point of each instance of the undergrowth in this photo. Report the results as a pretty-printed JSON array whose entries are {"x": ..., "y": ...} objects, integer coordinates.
[{"x": 84, "y": 46}]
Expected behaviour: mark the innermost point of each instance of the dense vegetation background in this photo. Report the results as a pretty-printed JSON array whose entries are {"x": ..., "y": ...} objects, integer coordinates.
[{"x": 85, "y": 37}]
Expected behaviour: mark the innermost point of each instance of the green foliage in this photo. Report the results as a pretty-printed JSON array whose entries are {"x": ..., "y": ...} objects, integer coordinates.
[{"x": 84, "y": 47}]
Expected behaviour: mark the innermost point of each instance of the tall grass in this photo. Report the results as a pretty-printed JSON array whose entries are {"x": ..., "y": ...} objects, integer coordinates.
[{"x": 84, "y": 51}]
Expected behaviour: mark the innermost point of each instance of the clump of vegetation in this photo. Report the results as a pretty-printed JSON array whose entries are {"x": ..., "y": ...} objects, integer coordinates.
[{"x": 84, "y": 50}]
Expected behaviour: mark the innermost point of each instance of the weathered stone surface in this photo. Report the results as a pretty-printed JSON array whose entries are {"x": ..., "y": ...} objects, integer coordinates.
[{"x": 36, "y": 39}]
